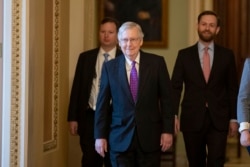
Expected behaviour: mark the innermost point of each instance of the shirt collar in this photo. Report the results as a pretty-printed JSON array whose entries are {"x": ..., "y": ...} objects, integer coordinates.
[
  {"x": 137, "y": 59},
  {"x": 201, "y": 46},
  {"x": 111, "y": 53}
]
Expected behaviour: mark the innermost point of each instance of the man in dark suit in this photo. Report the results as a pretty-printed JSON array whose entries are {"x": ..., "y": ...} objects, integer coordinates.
[
  {"x": 142, "y": 122},
  {"x": 85, "y": 90},
  {"x": 209, "y": 101}
]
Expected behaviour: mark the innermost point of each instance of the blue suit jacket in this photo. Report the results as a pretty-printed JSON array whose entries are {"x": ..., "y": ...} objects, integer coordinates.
[
  {"x": 150, "y": 116},
  {"x": 243, "y": 106}
]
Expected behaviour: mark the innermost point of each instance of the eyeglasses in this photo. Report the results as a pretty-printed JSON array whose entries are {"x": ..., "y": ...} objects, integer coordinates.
[{"x": 131, "y": 40}]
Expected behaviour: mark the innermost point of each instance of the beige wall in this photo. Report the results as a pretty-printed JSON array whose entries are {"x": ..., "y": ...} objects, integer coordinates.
[
  {"x": 42, "y": 64},
  {"x": 177, "y": 32}
]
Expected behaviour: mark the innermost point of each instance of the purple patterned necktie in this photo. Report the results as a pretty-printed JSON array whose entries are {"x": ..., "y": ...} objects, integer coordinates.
[{"x": 133, "y": 81}]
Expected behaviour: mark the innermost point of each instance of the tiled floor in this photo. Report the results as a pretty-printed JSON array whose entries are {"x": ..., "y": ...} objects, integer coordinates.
[{"x": 232, "y": 159}]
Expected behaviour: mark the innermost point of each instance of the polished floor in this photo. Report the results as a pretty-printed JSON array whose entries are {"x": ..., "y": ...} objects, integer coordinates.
[{"x": 232, "y": 158}]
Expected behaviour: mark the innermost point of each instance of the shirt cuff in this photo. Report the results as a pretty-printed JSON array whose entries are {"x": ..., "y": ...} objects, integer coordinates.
[{"x": 243, "y": 126}]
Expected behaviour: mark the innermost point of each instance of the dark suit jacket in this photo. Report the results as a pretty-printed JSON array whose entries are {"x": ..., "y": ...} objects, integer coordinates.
[
  {"x": 150, "y": 116},
  {"x": 81, "y": 88},
  {"x": 220, "y": 92}
]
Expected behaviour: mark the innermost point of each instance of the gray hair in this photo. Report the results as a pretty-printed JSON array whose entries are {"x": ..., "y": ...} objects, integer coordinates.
[{"x": 130, "y": 25}]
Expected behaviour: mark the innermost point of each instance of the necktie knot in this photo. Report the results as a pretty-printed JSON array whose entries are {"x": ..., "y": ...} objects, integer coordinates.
[
  {"x": 133, "y": 63},
  {"x": 106, "y": 55}
]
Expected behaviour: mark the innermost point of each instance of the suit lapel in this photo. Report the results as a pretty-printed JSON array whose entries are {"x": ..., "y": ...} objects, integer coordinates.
[
  {"x": 144, "y": 69},
  {"x": 216, "y": 62},
  {"x": 197, "y": 63},
  {"x": 92, "y": 63}
]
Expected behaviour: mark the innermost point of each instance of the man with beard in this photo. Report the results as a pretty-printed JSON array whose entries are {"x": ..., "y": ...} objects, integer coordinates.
[{"x": 208, "y": 109}]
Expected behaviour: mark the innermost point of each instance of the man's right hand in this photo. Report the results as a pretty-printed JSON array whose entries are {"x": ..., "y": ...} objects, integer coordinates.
[
  {"x": 73, "y": 126},
  {"x": 101, "y": 146}
]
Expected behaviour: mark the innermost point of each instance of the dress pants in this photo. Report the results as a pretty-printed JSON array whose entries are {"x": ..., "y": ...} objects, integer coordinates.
[
  {"x": 90, "y": 157},
  {"x": 207, "y": 147},
  {"x": 135, "y": 156}
]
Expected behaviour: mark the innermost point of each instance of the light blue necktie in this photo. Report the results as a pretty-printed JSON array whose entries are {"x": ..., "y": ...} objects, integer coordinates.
[{"x": 106, "y": 55}]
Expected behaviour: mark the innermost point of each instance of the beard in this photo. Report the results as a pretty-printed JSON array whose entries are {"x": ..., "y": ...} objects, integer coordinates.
[{"x": 206, "y": 36}]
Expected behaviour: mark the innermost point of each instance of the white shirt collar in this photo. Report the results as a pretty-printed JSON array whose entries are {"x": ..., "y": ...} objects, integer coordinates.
[
  {"x": 111, "y": 52},
  {"x": 201, "y": 46},
  {"x": 137, "y": 59}
]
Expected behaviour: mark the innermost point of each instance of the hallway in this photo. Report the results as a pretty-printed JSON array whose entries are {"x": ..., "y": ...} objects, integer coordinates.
[{"x": 232, "y": 160}]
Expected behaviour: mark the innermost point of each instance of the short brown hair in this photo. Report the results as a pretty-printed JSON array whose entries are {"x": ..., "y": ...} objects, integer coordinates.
[
  {"x": 209, "y": 12},
  {"x": 110, "y": 20}
]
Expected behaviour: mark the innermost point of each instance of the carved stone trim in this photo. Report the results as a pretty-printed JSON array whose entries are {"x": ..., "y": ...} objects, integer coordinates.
[
  {"x": 16, "y": 83},
  {"x": 52, "y": 144}
]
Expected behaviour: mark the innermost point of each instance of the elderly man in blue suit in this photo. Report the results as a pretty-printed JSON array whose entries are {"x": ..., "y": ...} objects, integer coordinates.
[{"x": 141, "y": 125}]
